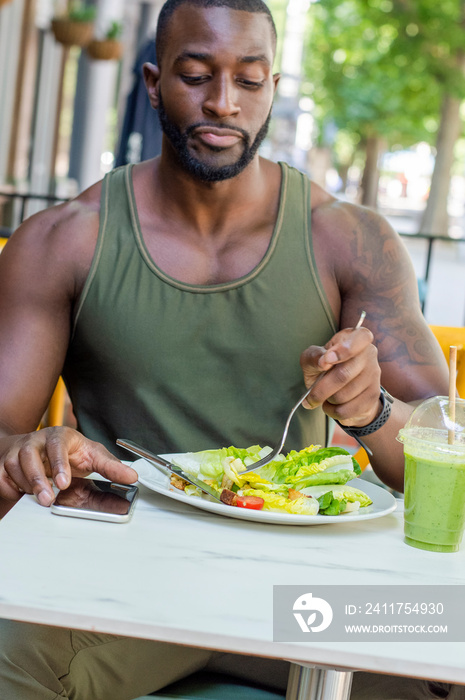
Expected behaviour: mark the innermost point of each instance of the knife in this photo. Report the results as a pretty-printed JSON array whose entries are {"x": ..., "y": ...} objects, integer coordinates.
[{"x": 167, "y": 466}]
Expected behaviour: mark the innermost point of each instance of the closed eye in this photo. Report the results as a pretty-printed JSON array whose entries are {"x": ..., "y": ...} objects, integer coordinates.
[
  {"x": 194, "y": 79},
  {"x": 251, "y": 84}
]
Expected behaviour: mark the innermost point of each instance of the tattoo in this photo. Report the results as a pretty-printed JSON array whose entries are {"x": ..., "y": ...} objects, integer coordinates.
[
  {"x": 403, "y": 345},
  {"x": 382, "y": 280}
]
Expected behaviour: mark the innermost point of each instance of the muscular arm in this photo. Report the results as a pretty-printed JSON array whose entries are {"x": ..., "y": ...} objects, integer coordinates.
[
  {"x": 365, "y": 266},
  {"x": 42, "y": 272},
  {"x": 380, "y": 278},
  {"x": 36, "y": 288}
]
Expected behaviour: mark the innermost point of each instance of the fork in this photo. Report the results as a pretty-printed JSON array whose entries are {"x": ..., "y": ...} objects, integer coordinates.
[{"x": 275, "y": 452}]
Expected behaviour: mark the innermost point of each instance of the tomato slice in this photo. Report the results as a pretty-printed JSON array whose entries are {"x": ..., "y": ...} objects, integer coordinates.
[{"x": 253, "y": 502}]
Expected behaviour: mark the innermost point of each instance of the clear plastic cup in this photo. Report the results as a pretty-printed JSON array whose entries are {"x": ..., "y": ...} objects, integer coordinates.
[{"x": 434, "y": 482}]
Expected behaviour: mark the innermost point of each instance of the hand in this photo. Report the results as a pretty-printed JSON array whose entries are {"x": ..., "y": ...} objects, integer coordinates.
[
  {"x": 349, "y": 392},
  {"x": 31, "y": 459}
]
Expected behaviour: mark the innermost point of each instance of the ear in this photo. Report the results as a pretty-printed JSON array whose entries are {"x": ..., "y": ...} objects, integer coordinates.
[
  {"x": 151, "y": 74},
  {"x": 276, "y": 78}
]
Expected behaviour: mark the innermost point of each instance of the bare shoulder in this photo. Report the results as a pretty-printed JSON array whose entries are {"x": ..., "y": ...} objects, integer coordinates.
[
  {"x": 357, "y": 250},
  {"x": 56, "y": 246},
  {"x": 343, "y": 221}
]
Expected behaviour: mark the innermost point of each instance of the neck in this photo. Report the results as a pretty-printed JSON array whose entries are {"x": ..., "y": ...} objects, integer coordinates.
[{"x": 206, "y": 206}]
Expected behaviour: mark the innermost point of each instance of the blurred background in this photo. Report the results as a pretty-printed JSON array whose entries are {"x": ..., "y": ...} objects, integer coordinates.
[{"x": 370, "y": 105}]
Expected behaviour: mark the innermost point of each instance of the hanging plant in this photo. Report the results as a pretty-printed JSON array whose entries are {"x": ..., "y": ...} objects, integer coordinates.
[
  {"x": 76, "y": 27},
  {"x": 110, "y": 47}
]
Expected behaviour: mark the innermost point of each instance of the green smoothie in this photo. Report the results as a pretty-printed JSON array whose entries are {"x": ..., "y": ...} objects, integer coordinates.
[{"x": 434, "y": 497}]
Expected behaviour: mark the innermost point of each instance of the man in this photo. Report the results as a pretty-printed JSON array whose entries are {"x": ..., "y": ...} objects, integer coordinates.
[{"x": 177, "y": 298}]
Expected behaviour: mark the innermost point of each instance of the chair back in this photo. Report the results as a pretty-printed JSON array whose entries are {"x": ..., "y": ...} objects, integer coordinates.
[{"x": 453, "y": 335}]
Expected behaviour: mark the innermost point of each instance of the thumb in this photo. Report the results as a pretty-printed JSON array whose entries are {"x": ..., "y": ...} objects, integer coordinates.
[
  {"x": 113, "y": 469},
  {"x": 313, "y": 369},
  {"x": 310, "y": 362},
  {"x": 95, "y": 457}
]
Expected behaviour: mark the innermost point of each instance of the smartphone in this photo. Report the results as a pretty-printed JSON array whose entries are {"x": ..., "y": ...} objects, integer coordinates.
[{"x": 96, "y": 500}]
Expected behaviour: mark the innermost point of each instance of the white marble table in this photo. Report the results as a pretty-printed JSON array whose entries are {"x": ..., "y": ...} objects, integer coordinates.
[{"x": 166, "y": 576}]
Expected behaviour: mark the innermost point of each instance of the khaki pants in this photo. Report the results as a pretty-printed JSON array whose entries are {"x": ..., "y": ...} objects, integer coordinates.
[{"x": 46, "y": 663}]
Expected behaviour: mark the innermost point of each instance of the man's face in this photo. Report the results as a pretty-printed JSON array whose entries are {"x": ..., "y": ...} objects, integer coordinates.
[{"x": 216, "y": 89}]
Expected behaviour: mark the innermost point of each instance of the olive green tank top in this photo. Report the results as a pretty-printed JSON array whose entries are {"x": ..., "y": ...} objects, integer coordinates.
[{"x": 183, "y": 367}]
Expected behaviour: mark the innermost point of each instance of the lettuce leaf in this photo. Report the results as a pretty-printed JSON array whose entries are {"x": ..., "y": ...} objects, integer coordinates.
[
  {"x": 334, "y": 477},
  {"x": 333, "y": 500},
  {"x": 208, "y": 464},
  {"x": 314, "y": 465},
  {"x": 275, "y": 502},
  {"x": 330, "y": 505},
  {"x": 320, "y": 472}
]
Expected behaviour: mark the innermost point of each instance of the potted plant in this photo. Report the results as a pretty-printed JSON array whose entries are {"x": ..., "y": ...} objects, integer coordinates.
[
  {"x": 110, "y": 47},
  {"x": 76, "y": 26}
]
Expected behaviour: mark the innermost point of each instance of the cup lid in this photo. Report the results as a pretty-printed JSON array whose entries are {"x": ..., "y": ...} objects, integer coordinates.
[{"x": 433, "y": 421}]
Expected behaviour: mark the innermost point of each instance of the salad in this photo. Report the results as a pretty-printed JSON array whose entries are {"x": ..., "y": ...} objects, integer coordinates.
[{"x": 309, "y": 482}]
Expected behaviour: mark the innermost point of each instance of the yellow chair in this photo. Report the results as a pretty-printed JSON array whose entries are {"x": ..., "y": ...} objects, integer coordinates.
[
  {"x": 55, "y": 414},
  {"x": 453, "y": 335},
  {"x": 362, "y": 458}
]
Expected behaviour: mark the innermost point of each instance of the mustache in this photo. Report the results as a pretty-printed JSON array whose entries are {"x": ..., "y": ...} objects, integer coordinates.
[{"x": 190, "y": 129}]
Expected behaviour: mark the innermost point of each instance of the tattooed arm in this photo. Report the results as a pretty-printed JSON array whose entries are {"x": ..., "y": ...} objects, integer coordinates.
[{"x": 364, "y": 265}]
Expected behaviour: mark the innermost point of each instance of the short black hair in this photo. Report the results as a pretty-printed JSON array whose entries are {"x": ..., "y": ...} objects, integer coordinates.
[{"x": 170, "y": 6}]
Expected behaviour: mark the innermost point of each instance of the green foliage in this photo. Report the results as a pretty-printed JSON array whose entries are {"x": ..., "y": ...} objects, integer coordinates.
[
  {"x": 381, "y": 67},
  {"x": 78, "y": 12},
  {"x": 115, "y": 31}
]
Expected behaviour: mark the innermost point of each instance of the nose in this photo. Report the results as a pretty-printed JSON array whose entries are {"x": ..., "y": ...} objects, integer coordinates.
[{"x": 221, "y": 98}]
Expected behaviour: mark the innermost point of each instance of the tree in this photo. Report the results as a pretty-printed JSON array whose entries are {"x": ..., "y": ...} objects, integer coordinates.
[
  {"x": 380, "y": 69},
  {"x": 440, "y": 32}
]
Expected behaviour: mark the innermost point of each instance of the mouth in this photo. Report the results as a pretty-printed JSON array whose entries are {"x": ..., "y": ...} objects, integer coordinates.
[{"x": 218, "y": 137}]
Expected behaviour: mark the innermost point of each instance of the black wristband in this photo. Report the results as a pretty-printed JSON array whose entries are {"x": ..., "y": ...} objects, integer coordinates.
[{"x": 358, "y": 432}]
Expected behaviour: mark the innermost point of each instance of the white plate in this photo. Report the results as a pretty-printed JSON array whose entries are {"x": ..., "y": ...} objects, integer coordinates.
[{"x": 383, "y": 501}]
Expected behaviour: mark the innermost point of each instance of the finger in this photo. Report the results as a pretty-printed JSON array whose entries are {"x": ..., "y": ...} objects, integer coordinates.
[
  {"x": 341, "y": 347},
  {"x": 361, "y": 389},
  {"x": 56, "y": 452},
  {"x": 311, "y": 371},
  {"x": 8, "y": 489},
  {"x": 309, "y": 399},
  {"x": 109, "y": 466},
  {"x": 114, "y": 470},
  {"x": 332, "y": 380},
  {"x": 32, "y": 466},
  {"x": 361, "y": 410},
  {"x": 343, "y": 382},
  {"x": 344, "y": 345},
  {"x": 309, "y": 361},
  {"x": 13, "y": 472}
]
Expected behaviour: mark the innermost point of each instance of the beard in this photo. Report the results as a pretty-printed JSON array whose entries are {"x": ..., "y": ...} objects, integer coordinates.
[{"x": 205, "y": 171}]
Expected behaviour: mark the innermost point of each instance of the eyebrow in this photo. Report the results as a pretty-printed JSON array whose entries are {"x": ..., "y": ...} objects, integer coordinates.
[
  {"x": 204, "y": 57},
  {"x": 192, "y": 55},
  {"x": 260, "y": 58}
]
